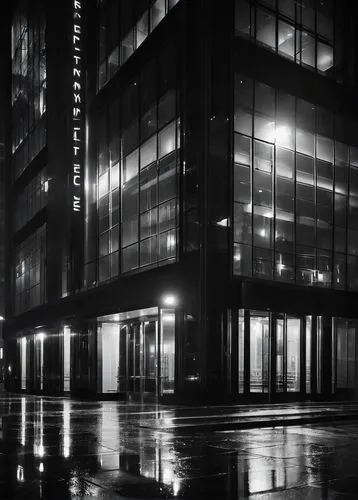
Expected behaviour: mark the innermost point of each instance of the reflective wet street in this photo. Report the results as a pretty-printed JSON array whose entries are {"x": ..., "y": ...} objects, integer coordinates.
[{"x": 60, "y": 448}]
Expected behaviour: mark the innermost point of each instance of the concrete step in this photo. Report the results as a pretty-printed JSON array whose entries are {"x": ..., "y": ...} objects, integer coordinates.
[{"x": 246, "y": 420}]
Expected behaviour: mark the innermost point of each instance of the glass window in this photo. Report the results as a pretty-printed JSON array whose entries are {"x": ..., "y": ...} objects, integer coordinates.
[
  {"x": 115, "y": 176},
  {"x": 306, "y": 115},
  {"x": 287, "y": 8},
  {"x": 307, "y": 13},
  {"x": 142, "y": 29},
  {"x": 129, "y": 258},
  {"x": 266, "y": 28},
  {"x": 284, "y": 162},
  {"x": 166, "y": 140},
  {"x": 242, "y": 184},
  {"x": 263, "y": 156},
  {"x": 305, "y": 142},
  {"x": 284, "y": 231},
  {"x": 354, "y": 156},
  {"x": 148, "y": 187},
  {"x": 242, "y": 223},
  {"x": 167, "y": 245},
  {"x": 324, "y": 122},
  {"x": 148, "y": 152},
  {"x": 264, "y": 99},
  {"x": 324, "y": 175},
  {"x": 243, "y": 92},
  {"x": 167, "y": 216},
  {"x": 324, "y": 57},
  {"x": 286, "y": 39},
  {"x": 149, "y": 123},
  {"x": 262, "y": 188},
  {"x": 304, "y": 169},
  {"x": 264, "y": 128},
  {"x": 149, "y": 223},
  {"x": 324, "y": 148},
  {"x": 242, "y": 153},
  {"x": 242, "y": 260},
  {"x": 353, "y": 185},
  {"x": 284, "y": 194},
  {"x": 262, "y": 227},
  {"x": 307, "y": 51},
  {"x": 166, "y": 108},
  {"x": 103, "y": 185},
  {"x": 167, "y": 178},
  {"x": 340, "y": 210},
  {"x": 130, "y": 166},
  {"x": 157, "y": 13},
  {"x": 242, "y": 18},
  {"x": 148, "y": 251},
  {"x": 243, "y": 121},
  {"x": 263, "y": 263},
  {"x": 339, "y": 271},
  {"x": 127, "y": 47}
]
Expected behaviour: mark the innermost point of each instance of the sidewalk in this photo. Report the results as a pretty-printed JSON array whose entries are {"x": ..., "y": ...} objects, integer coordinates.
[{"x": 222, "y": 418}]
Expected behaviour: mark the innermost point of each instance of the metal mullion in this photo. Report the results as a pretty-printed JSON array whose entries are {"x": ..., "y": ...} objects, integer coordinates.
[
  {"x": 272, "y": 351},
  {"x": 294, "y": 249},
  {"x": 302, "y": 350},
  {"x": 347, "y": 214},
  {"x": 273, "y": 197},
  {"x": 284, "y": 353},
  {"x": 252, "y": 151},
  {"x": 333, "y": 252}
]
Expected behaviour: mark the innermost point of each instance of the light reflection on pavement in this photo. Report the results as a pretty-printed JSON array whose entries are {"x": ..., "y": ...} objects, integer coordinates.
[{"x": 61, "y": 448}]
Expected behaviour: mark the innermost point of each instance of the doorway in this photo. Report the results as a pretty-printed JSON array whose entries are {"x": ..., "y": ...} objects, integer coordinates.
[
  {"x": 272, "y": 357},
  {"x": 288, "y": 354},
  {"x": 136, "y": 353}
]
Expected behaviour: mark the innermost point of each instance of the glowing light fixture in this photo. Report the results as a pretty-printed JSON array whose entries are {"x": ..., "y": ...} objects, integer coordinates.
[{"x": 169, "y": 300}]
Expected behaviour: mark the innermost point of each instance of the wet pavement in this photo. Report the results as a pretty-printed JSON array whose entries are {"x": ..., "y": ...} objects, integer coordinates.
[{"x": 53, "y": 448}]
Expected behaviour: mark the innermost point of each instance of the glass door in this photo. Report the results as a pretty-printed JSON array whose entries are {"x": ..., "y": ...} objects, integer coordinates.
[
  {"x": 288, "y": 354},
  {"x": 133, "y": 357},
  {"x": 149, "y": 366},
  {"x": 293, "y": 363},
  {"x": 259, "y": 352}
]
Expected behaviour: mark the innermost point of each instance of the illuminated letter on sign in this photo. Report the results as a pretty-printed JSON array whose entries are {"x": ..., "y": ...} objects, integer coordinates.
[{"x": 77, "y": 108}]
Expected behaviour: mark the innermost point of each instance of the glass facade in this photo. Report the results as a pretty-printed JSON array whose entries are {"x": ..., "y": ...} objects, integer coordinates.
[
  {"x": 32, "y": 199},
  {"x": 286, "y": 353},
  {"x": 28, "y": 85},
  {"x": 295, "y": 193},
  {"x": 133, "y": 347},
  {"x": 30, "y": 283},
  {"x": 300, "y": 31},
  {"x": 130, "y": 353},
  {"x": 115, "y": 46},
  {"x": 136, "y": 183}
]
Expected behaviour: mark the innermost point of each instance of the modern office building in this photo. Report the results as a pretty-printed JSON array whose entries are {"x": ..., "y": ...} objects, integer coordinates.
[{"x": 182, "y": 199}]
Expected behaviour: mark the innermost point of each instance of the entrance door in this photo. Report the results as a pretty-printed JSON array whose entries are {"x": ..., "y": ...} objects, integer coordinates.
[
  {"x": 149, "y": 374},
  {"x": 134, "y": 357},
  {"x": 259, "y": 352},
  {"x": 288, "y": 354},
  {"x": 141, "y": 362}
]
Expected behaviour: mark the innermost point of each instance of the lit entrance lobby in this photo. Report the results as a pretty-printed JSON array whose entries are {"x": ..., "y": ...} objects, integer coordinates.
[
  {"x": 136, "y": 353},
  {"x": 286, "y": 357}
]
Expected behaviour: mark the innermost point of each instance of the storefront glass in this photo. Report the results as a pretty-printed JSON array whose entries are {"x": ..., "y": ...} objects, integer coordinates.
[
  {"x": 137, "y": 352},
  {"x": 259, "y": 352}
]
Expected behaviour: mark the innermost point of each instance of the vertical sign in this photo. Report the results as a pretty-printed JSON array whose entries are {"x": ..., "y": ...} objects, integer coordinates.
[{"x": 77, "y": 107}]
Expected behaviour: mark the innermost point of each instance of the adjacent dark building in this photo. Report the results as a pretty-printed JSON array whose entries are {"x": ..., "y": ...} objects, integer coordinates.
[{"x": 182, "y": 199}]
